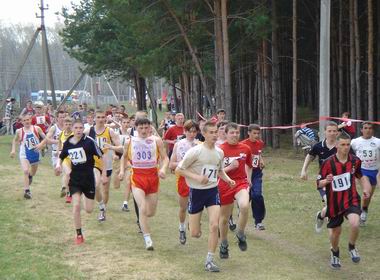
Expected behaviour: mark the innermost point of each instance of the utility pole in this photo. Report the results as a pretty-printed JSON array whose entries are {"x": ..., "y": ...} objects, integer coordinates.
[{"x": 324, "y": 64}]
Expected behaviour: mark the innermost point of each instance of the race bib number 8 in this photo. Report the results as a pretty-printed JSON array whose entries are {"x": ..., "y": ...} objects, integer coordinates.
[
  {"x": 77, "y": 155},
  {"x": 341, "y": 182},
  {"x": 211, "y": 172}
]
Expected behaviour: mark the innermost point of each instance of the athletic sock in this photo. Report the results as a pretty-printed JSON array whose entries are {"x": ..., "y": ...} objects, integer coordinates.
[
  {"x": 79, "y": 231},
  {"x": 335, "y": 253},
  {"x": 210, "y": 257},
  {"x": 224, "y": 243},
  {"x": 351, "y": 246},
  {"x": 125, "y": 202},
  {"x": 182, "y": 227},
  {"x": 240, "y": 233},
  {"x": 147, "y": 237},
  {"x": 102, "y": 206}
]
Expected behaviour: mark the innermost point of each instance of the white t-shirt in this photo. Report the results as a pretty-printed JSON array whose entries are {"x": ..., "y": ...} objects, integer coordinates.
[
  {"x": 368, "y": 150},
  {"x": 203, "y": 161}
]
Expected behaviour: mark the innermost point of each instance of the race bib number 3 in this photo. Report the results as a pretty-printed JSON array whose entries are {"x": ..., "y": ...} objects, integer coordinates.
[
  {"x": 77, "y": 155},
  {"x": 255, "y": 161},
  {"x": 341, "y": 182},
  {"x": 211, "y": 172}
]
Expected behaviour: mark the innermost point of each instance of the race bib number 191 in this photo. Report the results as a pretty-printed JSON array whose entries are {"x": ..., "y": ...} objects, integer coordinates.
[
  {"x": 211, "y": 172},
  {"x": 341, "y": 182}
]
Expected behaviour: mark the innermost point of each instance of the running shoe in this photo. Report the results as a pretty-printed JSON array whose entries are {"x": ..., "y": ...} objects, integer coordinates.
[
  {"x": 355, "y": 257},
  {"x": 223, "y": 251},
  {"x": 102, "y": 216},
  {"x": 211, "y": 267},
  {"x": 79, "y": 239},
  {"x": 27, "y": 194},
  {"x": 260, "y": 226},
  {"x": 182, "y": 237},
  {"x": 318, "y": 223},
  {"x": 242, "y": 242},
  {"x": 125, "y": 207},
  {"x": 363, "y": 218},
  {"x": 231, "y": 224},
  {"x": 149, "y": 245},
  {"x": 68, "y": 199},
  {"x": 335, "y": 262},
  {"x": 63, "y": 191}
]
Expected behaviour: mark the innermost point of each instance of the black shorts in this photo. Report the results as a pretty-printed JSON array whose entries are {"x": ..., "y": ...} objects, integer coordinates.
[
  {"x": 83, "y": 183},
  {"x": 199, "y": 199},
  {"x": 109, "y": 172},
  {"x": 337, "y": 221}
]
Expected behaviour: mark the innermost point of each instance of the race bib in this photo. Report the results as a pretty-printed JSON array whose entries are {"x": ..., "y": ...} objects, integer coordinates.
[
  {"x": 30, "y": 143},
  {"x": 368, "y": 154},
  {"x": 40, "y": 120},
  {"x": 77, "y": 155},
  {"x": 255, "y": 161},
  {"x": 123, "y": 139},
  {"x": 101, "y": 141},
  {"x": 341, "y": 182},
  {"x": 211, "y": 172}
]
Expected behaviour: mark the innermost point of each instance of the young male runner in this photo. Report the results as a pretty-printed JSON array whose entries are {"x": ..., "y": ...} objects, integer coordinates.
[
  {"x": 367, "y": 148},
  {"x": 145, "y": 152},
  {"x": 80, "y": 150},
  {"x": 103, "y": 135},
  {"x": 256, "y": 192},
  {"x": 174, "y": 133},
  {"x": 28, "y": 138},
  {"x": 337, "y": 176},
  {"x": 238, "y": 166},
  {"x": 179, "y": 151},
  {"x": 323, "y": 150},
  {"x": 201, "y": 167},
  {"x": 52, "y": 135}
]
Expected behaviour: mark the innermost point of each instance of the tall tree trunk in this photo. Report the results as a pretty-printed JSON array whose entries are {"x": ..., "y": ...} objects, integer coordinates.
[
  {"x": 378, "y": 60},
  {"x": 267, "y": 97},
  {"x": 340, "y": 60},
  {"x": 275, "y": 76},
  {"x": 371, "y": 115},
  {"x": 357, "y": 62},
  {"x": 294, "y": 91},
  {"x": 219, "y": 70},
  {"x": 352, "y": 61},
  {"x": 226, "y": 61}
]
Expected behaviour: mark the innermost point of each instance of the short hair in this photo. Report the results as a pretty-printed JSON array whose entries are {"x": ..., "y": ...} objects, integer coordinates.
[
  {"x": 366, "y": 123},
  {"x": 221, "y": 110},
  {"x": 253, "y": 126},
  {"x": 343, "y": 136},
  {"x": 331, "y": 123},
  {"x": 99, "y": 112},
  {"x": 68, "y": 120},
  {"x": 77, "y": 121},
  {"x": 60, "y": 112},
  {"x": 222, "y": 123},
  {"x": 132, "y": 116},
  {"x": 142, "y": 121},
  {"x": 208, "y": 124},
  {"x": 346, "y": 113},
  {"x": 189, "y": 124},
  {"x": 125, "y": 117},
  {"x": 230, "y": 126}
]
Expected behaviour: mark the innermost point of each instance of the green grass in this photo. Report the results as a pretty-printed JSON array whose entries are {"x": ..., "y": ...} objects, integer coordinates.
[{"x": 36, "y": 236}]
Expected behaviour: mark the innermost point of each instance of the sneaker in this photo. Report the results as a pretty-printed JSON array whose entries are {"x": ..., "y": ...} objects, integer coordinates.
[
  {"x": 318, "y": 223},
  {"x": 242, "y": 242},
  {"x": 79, "y": 239},
  {"x": 149, "y": 245},
  {"x": 223, "y": 251},
  {"x": 102, "y": 216},
  {"x": 335, "y": 262},
  {"x": 182, "y": 237},
  {"x": 63, "y": 191},
  {"x": 27, "y": 194},
  {"x": 355, "y": 257},
  {"x": 231, "y": 224},
  {"x": 211, "y": 267},
  {"x": 68, "y": 199},
  {"x": 260, "y": 226},
  {"x": 363, "y": 218},
  {"x": 125, "y": 207}
]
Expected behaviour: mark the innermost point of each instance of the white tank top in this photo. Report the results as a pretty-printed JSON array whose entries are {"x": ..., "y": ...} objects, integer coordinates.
[
  {"x": 57, "y": 131},
  {"x": 182, "y": 147},
  {"x": 143, "y": 152}
]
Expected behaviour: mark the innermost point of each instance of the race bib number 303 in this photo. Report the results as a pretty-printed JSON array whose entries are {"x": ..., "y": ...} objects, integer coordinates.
[
  {"x": 341, "y": 182},
  {"x": 211, "y": 172},
  {"x": 77, "y": 155}
]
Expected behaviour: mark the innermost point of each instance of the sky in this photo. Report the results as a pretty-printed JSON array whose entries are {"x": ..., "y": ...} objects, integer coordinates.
[{"x": 24, "y": 11}]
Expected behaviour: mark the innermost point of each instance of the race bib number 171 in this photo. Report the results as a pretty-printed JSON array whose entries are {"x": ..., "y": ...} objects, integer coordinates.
[{"x": 211, "y": 172}]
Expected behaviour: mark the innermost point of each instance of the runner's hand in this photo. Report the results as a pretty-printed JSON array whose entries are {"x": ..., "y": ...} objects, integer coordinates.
[
  {"x": 58, "y": 170},
  {"x": 12, "y": 154},
  {"x": 121, "y": 175},
  {"x": 162, "y": 174},
  {"x": 303, "y": 175},
  {"x": 203, "y": 180},
  {"x": 329, "y": 178},
  {"x": 231, "y": 183}
]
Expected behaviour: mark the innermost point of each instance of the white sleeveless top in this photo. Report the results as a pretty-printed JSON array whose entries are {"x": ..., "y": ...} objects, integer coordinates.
[
  {"x": 182, "y": 147},
  {"x": 143, "y": 152},
  {"x": 57, "y": 131}
]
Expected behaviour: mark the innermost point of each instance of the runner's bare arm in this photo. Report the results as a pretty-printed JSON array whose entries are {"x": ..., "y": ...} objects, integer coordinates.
[
  {"x": 308, "y": 160},
  {"x": 124, "y": 160},
  {"x": 173, "y": 160},
  {"x": 116, "y": 142},
  {"x": 15, "y": 140},
  {"x": 163, "y": 157},
  {"x": 222, "y": 174},
  {"x": 50, "y": 135},
  {"x": 43, "y": 143}
]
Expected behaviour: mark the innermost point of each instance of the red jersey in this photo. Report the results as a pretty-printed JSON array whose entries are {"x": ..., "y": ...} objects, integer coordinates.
[
  {"x": 239, "y": 152},
  {"x": 341, "y": 193},
  {"x": 43, "y": 121},
  {"x": 174, "y": 133},
  {"x": 256, "y": 150}
]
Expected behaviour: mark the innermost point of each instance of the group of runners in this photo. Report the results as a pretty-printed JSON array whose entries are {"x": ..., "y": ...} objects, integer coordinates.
[{"x": 214, "y": 171}]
